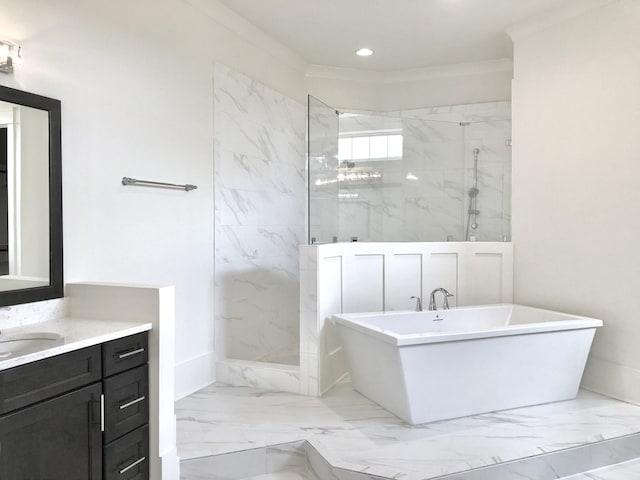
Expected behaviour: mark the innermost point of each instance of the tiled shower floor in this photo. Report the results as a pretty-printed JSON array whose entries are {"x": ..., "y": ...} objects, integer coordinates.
[{"x": 359, "y": 439}]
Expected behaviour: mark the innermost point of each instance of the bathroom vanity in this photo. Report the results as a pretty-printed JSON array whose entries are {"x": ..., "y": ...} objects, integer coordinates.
[
  {"x": 81, "y": 414},
  {"x": 81, "y": 394}
]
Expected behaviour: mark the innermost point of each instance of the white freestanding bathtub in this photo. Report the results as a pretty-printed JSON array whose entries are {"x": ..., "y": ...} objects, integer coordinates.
[{"x": 428, "y": 366}]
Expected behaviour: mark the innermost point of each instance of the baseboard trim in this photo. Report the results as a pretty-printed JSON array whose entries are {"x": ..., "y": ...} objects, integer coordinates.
[
  {"x": 611, "y": 379},
  {"x": 194, "y": 374},
  {"x": 268, "y": 376},
  {"x": 170, "y": 465}
]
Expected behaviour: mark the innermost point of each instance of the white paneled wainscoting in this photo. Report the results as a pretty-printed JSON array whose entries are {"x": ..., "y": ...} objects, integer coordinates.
[{"x": 367, "y": 277}]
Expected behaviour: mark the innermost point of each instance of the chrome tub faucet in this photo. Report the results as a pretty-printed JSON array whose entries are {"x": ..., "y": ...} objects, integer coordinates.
[{"x": 432, "y": 299}]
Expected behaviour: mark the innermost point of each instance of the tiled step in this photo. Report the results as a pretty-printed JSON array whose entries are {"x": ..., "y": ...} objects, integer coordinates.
[
  {"x": 289, "y": 474},
  {"x": 559, "y": 464},
  {"x": 347, "y": 437},
  {"x": 277, "y": 462},
  {"x": 621, "y": 471},
  {"x": 301, "y": 461}
]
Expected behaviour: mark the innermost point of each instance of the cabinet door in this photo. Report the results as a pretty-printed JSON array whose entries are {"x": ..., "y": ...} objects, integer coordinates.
[{"x": 59, "y": 439}]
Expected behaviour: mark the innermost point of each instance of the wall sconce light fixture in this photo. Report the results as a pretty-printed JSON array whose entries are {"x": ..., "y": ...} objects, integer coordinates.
[{"x": 10, "y": 55}]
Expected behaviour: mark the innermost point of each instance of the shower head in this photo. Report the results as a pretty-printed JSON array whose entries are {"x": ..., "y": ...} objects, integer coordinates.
[
  {"x": 473, "y": 192},
  {"x": 476, "y": 151}
]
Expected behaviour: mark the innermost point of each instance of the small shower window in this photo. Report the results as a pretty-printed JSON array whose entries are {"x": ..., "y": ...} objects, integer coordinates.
[
  {"x": 395, "y": 146},
  {"x": 378, "y": 147},
  {"x": 361, "y": 148}
]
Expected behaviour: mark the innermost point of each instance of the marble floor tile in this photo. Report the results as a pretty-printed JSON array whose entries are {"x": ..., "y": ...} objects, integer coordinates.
[{"x": 354, "y": 434}]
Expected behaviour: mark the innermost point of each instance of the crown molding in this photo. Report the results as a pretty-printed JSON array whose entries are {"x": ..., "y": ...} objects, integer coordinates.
[
  {"x": 409, "y": 75},
  {"x": 567, "y": 11},
  {"x": 234, "y": 23}
]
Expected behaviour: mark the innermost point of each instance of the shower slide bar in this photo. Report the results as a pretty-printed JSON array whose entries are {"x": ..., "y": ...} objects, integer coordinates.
[{"x": 148, "y": 183}]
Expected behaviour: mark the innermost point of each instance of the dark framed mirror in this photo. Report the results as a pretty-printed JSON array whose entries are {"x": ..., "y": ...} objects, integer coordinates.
[{"x": 30, "y": 198}]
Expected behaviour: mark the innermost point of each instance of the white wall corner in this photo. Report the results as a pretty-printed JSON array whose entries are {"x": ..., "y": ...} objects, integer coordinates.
[
  {"x": 566, "y": 11},
  {"x": 194, "y": 374},
  {"x": 612, "y": 379},
  {"x": 231, "y": 21}
]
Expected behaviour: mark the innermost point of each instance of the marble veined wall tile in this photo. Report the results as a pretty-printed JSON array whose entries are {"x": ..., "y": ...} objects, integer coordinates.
[
  {"x": 243, "y": 97},
  {"x": 260, "y": 195}
]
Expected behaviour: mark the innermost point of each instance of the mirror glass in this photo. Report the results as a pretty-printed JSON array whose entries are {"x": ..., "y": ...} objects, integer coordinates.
[{"x": 30, "y": 198}]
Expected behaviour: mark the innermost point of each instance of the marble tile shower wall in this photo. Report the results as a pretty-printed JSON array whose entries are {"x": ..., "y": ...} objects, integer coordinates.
[
  {"x": 259, "y": 142},
  {"x": 424, "y": 195}
]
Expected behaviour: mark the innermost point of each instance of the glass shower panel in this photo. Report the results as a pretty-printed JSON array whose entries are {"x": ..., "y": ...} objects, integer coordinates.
[
  {"x": 323, "y": 172},
  {"x": 423, "y": 202},
  {"x": 370, "y": 163},
  {"x": 424, "y": 175},
  {"x": 402, "y": 178}
]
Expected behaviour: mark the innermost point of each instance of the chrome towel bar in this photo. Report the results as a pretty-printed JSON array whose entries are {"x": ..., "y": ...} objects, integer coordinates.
[{"x": 147, "y": 183}]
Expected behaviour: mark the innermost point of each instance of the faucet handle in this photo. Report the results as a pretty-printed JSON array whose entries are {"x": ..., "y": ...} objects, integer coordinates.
[
  {"x": 447, "y": 295},
  {"x": 418, "y": 303}
]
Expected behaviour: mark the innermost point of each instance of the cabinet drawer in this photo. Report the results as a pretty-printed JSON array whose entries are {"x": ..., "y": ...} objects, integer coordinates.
[
  {"x": 126, "y": 402},
  {"x": 33, "y": 382},
  {"x": 127, "y": 458},
  {"x": 125, "y": 353}
]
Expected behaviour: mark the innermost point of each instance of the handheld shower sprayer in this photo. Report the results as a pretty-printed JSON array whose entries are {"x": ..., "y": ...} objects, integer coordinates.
[
  {"x": 473, "y": 194},
  {"x": 476, "y": 151}
]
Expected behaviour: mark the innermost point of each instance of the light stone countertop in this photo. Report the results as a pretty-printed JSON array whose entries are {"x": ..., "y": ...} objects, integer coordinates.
[{"x": 77, "y": 333}]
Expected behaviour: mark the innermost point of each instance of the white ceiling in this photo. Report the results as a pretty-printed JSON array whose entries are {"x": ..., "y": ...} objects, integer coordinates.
[{"x": 404, "y": 34}]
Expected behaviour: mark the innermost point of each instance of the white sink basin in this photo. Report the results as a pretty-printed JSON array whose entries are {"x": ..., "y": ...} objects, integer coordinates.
[{"x": 14, "y": 345}]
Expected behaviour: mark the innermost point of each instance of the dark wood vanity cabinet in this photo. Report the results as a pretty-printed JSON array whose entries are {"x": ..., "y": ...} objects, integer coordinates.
[{"x": 62, "y": 418}]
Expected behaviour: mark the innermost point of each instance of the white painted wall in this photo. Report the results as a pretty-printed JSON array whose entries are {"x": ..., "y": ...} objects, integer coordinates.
[
  {"x": 576, "y": 171},
  {"x": 135, "y": 81}
]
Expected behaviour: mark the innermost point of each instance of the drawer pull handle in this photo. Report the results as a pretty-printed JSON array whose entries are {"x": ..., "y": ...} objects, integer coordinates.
[
  {"x": 132, "y": 402},
  {"x": 129, "y": 467},
  {"x": 132, "y": 352}
]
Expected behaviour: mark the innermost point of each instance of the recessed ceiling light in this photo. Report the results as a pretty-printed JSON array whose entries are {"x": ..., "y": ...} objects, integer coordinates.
[{"x": 364, "y": 52}]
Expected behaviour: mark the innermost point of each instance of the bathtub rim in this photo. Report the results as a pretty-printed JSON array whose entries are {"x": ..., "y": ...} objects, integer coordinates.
[{"x": 355, "y": 321}]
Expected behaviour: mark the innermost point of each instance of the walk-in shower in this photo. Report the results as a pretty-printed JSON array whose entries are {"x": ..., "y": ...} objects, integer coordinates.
[{"x": 410, "y": 175}]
